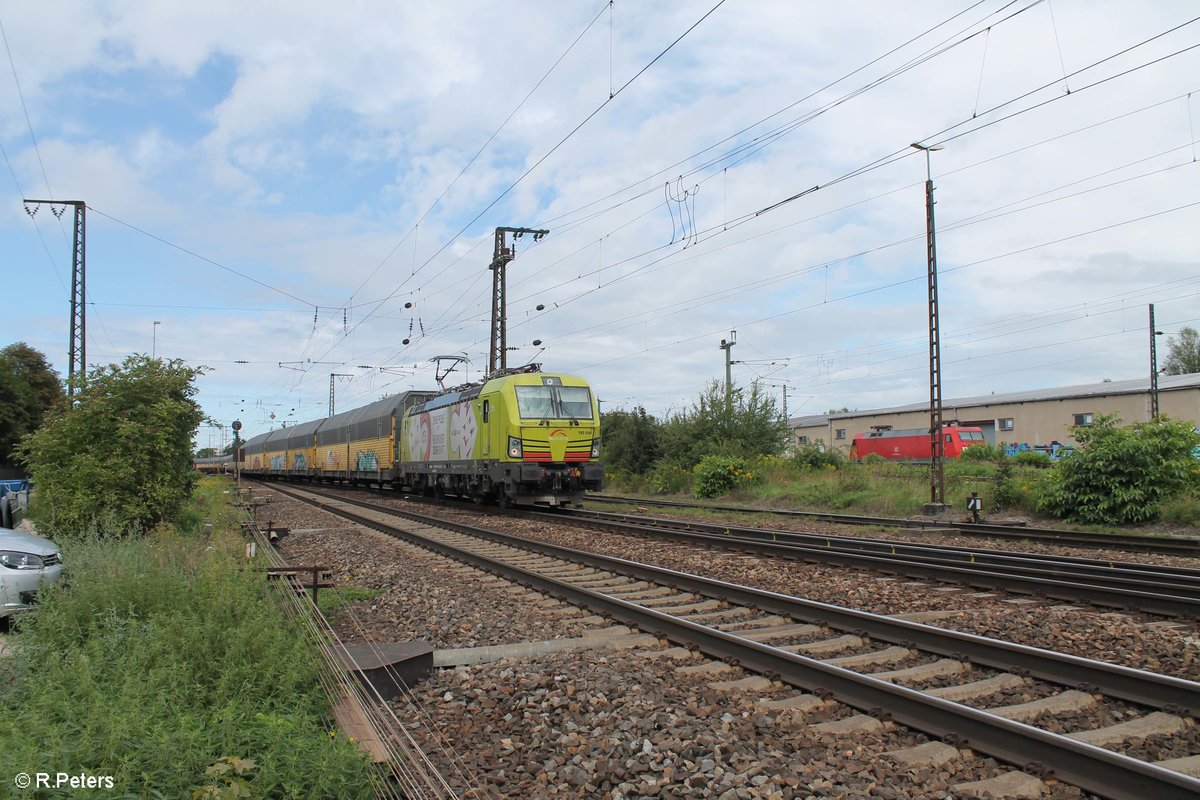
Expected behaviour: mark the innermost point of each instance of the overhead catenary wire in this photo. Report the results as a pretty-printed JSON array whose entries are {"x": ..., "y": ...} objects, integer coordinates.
[
  {"x": 901, "y": 282},
  {"x": 541, "y": 160},
  {"x": 607, "y": 266},
  {"x": 480, "y": 151}
]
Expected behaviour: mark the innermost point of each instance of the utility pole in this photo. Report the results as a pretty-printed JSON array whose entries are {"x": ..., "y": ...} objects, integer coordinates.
[
  {"x": 332, "y": 376},
  {"x": 77, "y": 369},
  {"x": 937, "y": 448},
  {"x": 1154, "y": 334},
  {"x": 727, "y": 345},
  {"x": 504, "y": 253}
]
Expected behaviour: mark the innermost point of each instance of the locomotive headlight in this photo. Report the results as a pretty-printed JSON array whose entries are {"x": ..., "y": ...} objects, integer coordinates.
[
  {"x": 596, "y": 447},
  {"x": 514, "y": 447}
]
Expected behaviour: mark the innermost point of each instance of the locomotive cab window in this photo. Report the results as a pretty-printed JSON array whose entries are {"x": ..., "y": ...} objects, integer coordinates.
[
  {"x": 971, "y": 436},
  {"x": 554, "y": 402},
  {"x": 575, "y": 401}
]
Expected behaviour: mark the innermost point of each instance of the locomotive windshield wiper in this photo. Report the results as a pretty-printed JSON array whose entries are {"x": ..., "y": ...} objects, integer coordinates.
[{"x": 565, "y": 408}]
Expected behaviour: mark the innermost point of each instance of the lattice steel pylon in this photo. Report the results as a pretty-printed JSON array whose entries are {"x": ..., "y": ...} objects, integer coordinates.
[
  {"x": 504, "y": 253},
  {"x": 77, "y": 369},
  {"x": 937, "y": 446}
]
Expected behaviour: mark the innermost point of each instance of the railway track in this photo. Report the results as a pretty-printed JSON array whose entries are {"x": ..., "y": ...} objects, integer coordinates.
[
  {"x": 1164, "y": 545},
  {"x": 1168, "y": 591},
  {"x": 829, "y": 650}
]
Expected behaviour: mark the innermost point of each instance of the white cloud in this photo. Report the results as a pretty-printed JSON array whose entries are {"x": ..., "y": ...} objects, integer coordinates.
[{"x": 300, "y": 144}]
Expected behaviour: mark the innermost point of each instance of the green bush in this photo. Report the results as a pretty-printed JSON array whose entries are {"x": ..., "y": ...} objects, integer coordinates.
[
  {"x": 1033, "y": 458},
  {"x": 163, "y": 657},
  {"x": 1183, "y": 509},
  {"x": 1005, "y": 494},
  {"x": 982, "y": 452},
  {"x": 1122, "y": 475},
  {"x": 811, "y": 456},
  {"x": 119, "y": 459},
  {"x": 669, "y": 478},
  {"x": 720, "y": 475}
]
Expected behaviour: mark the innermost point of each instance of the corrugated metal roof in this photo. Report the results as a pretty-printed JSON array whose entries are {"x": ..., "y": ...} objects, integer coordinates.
[{"x": 1166, "y": 383}]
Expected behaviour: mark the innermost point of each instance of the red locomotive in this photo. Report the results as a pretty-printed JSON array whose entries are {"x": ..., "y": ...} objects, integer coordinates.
[{"x": 912, "y": 444}]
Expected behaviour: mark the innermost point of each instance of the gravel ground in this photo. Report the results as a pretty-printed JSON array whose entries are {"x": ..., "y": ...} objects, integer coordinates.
[
  {"x": 1088, "y": 632},
  {"x": 912, "y": 535},
  {"x": 622, "y": 725},
  {"x": 418, "y": 599}
]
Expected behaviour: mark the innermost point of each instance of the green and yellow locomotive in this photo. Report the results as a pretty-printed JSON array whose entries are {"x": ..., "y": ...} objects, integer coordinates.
[{"x": 523, "y": 437}]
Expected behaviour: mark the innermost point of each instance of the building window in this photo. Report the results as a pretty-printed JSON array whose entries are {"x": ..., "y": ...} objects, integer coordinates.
[
  {"x": 1083, "y": 420},
  {"x": 1006, "y": 423},
  {"x": 840, "y": 433},
  {"x": 803, "y": 440}
]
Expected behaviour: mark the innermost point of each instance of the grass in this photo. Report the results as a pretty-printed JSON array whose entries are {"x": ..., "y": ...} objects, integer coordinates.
[
  {"x": 331, "y": 600},
  {"x": 881, "y": 488},
  {"x": 159, "y": 657}
]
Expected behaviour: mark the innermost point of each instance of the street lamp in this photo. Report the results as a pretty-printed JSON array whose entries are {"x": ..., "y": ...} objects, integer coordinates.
[
  {"x": 937, "y": 451},
  {"x": 154, "y": 339}
]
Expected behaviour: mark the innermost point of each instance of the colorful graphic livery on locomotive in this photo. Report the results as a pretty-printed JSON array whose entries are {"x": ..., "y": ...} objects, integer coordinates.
[{"x": 525, "y": 437}]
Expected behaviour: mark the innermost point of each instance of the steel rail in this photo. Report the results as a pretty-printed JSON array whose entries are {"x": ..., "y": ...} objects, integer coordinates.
[
  {"x": 1186, "y": 580},
  {"x": 1163, "y": 545},
  {"x": 1139, "y": 686},
  {"x": 1091, "y": 768},
  {"x": 870, "y": 543},
  {"x": 1010, "y": 581}
]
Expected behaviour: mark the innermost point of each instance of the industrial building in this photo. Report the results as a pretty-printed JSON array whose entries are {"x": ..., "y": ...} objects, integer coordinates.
[{"x": 1037, "y": 417}]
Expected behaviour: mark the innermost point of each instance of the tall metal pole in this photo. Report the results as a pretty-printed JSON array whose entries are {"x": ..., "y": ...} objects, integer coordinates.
[
  {"x": 727, "y": 346},
  {"x": 154, "y": 340},
  {"x": 1154, "y": 334},
  {"x": 937, "y": 450},
  {"x": 332, "y": 377},
  {"x": 77, "y": 368},
  {"x": 503, "y": 253}
]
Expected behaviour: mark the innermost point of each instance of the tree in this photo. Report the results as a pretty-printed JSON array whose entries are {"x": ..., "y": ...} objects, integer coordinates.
[
  {"x": 206, "y": 452},
  {"x": 121, "y": 457},
  {"x": 1121, "y": 475},
  {"x": 629, "y": 440},
  {"x": 1183, "y": 353},
  {"x": 749, "y": 426},
  {"x": 29, "y": 387}
]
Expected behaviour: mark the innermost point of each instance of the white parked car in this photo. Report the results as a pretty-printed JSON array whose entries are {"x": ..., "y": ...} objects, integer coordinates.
[{"x": 26, "y": 562}]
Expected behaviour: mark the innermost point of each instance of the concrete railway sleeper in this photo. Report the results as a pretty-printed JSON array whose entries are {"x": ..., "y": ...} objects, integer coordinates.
[
  {"x": 825, "y": 650},
  {"x": 1167, "y": 591},
  {"x": 1167, "y": 545}
]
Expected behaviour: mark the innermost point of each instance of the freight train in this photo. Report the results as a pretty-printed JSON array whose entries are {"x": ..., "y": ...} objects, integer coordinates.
[
  {"x": 522, "y": 437},
  {"x": 913, "y": 444}
]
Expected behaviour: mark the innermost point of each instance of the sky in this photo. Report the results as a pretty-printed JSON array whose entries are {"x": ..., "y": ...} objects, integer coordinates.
[{"x": 290, "y": 194}]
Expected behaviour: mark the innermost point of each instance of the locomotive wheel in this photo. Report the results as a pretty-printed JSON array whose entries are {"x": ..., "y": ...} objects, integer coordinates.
[{"x": 502, "y": 498}]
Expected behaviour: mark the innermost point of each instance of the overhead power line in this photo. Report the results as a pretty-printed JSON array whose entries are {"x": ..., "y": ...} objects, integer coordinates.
[{"x": 205, "y": 259}]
